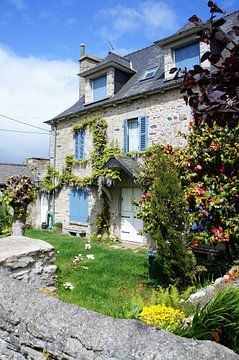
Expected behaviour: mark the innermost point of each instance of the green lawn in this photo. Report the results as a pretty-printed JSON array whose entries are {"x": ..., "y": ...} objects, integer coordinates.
[{"x": 111, "y": 281}]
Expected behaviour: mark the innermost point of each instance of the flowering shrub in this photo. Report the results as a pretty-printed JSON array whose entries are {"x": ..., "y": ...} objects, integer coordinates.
[{"x": 161, "y": 316}]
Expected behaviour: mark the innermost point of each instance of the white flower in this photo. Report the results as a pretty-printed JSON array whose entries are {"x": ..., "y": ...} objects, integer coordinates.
[
  {"x": 85, "y": 267},
  {"x": 88, "y": 246},
  {"x": 68, "y": 286},
  {"x": 90, "y": 257}
]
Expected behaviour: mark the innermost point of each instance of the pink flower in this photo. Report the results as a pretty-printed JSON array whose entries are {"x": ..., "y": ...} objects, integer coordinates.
[
  {"x": 190, "y": 123},
  {"x": 148, "y": 195},
  {"x": 201, "y": 191},
  {"x": 220, "y": 229},
  {"x": 213, "y": 230},
  {"x": 143, "y": 197},
  {"x": 198, "y": 168},
  {"x": 195, "y": 244}
]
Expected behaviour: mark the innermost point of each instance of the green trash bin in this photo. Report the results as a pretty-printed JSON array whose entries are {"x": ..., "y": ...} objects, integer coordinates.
[{"x": 153, "y": 271}]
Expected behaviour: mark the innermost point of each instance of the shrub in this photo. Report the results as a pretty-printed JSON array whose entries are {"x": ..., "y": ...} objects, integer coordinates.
[
  {"x": 218, "y": 320},
  {"x": 164, "y": 211},
  {"x": 5, "y": 219},
  {"x": 161, "y": 316}
]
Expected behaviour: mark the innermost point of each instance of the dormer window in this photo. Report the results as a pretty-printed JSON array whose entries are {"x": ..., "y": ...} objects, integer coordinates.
[
  {"x": 187, "y": 56},
  {"x": 99, "y": 90},
  {"x": 150, "y": 73}
]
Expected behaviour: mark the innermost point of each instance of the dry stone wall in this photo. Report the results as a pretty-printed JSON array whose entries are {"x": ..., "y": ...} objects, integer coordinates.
[
  {"x": 29, "y": 260},
  {"x": 35, "y": 326}
]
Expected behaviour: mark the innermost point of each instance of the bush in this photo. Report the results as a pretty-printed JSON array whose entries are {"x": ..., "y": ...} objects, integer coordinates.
[
  {"x": 161, "y": 316},
  {"x": 218, "y": 320},
  {"x": 164, "y": 211},
  {"x": 5, "y": 219}
]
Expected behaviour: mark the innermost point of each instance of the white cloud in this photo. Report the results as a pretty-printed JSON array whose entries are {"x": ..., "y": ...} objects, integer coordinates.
[
  {"x": 151, "y": 16},
  {"x": 32, "y": 90},
  {"x": 19, "y": 4}
]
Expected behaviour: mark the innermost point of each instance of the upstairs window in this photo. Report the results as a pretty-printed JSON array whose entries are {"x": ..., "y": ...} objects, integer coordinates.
[
  {"x": 150, "y": 73},
  {"x": 187, "y": 56},
  {"x": 135, "y": 134},
  {"x": 99, "y": 88},
  {"x": 80, "y": 144}
]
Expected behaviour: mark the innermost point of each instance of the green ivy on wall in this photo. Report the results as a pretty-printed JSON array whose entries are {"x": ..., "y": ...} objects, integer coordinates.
[{"x": 100, "y": 155}]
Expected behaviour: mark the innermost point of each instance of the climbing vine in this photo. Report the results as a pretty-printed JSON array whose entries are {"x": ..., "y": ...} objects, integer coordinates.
[{"x": 100, "y": 155}]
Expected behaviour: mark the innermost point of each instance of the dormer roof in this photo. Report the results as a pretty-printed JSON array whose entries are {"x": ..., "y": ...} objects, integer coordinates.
[{"x": 111, "y": 60}]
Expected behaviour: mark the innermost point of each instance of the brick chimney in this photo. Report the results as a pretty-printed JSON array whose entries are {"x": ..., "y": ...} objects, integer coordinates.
[{"x": 86, "y": 62}]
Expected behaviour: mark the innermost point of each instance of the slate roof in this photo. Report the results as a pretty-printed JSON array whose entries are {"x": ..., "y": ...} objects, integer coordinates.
[
  {"x": 127, "y": 163},
  {"x": 141, "y": 60},
  {"x": 111, "y": 59},
  {"x": 7, "y": 170}
]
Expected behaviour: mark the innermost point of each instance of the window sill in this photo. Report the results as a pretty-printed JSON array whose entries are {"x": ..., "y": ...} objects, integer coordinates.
[{"x": 78, "y": 223}]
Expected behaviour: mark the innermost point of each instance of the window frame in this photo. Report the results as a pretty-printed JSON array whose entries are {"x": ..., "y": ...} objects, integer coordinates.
[
  {"x": 152, "y": 70},
  {"x": 80, "y": 143}
]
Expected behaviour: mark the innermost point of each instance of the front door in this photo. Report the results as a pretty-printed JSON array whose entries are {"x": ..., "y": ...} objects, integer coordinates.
[{"x": 131, "y": 226}]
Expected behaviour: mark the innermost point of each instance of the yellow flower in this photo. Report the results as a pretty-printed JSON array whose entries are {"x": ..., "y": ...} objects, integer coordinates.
[{"x": 161, "y": 315}]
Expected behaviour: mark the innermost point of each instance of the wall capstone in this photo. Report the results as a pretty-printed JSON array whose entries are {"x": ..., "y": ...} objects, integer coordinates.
[
  {"x": 36, "y": 326},
  {"x": 29, "y": 260}
]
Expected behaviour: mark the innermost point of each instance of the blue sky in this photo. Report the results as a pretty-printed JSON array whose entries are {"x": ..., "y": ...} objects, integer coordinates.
[{"x": 39, "y": 49}]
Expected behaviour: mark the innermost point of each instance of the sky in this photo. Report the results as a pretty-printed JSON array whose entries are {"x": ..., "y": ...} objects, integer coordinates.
[{"x": 39, "y": 52}]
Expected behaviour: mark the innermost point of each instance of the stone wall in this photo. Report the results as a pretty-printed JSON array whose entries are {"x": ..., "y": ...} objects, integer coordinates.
[
  {"x": 29, "y": 260},
  {"x": 36, "y": 326}
]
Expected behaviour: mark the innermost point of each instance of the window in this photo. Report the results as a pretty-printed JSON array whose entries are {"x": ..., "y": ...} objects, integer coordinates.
[
  {"x": 187, "y": 56},
  {"x": 79, "y": 206},
  {"x": 99, "y": 88},
  {"x": 80, "y": 144},
  {"x": 150, "y": 73},
  {"x": 135, "y": 134}
]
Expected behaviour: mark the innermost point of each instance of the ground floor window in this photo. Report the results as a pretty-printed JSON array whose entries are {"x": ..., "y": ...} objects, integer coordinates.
[{"x": 79, "y": 206}]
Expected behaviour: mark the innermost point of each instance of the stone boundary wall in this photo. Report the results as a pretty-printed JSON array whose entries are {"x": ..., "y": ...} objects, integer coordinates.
[
  {"x": 29, "y": 260},
  {"x": 36, "y": 326}
]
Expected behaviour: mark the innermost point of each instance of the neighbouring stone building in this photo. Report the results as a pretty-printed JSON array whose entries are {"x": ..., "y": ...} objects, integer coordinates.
[
  {"x": 142, "y": 105},
  {"x": 36, "y": 169}
]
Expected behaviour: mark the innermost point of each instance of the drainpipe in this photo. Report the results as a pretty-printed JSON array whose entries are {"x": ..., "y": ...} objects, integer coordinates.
[{"x": 54, "y": 167}]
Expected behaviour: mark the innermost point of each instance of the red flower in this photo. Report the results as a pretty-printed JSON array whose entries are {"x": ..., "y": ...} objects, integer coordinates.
[
  {"x": 213, "y": 230},
  {"x": 201, "y": 191},
  {"x": 195, "y": 244},
  {"x": 190, "y": 123},
  {"x": 148, "y": 195},
  {"x": 222, "y": 169},
  {"x": 142, "y": 197}
]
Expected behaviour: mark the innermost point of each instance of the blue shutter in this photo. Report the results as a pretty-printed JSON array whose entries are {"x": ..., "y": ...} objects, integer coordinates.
[
  {"x": 126, "y": 133},
  {"x": 99, "y": 88},
  {"x": 80, "y": 144},
  {"x": 187, "y": 56},
  {"x": 143, "y": 132},
  {"x": 79, "y": 206}
]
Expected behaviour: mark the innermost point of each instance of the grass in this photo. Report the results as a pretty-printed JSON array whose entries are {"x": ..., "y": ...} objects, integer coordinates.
[{"x": 111, "y": 281}]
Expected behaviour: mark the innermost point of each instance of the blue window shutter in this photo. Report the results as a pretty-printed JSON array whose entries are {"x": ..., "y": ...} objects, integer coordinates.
[
  {"x": 79, "y": 206},
  {"x": 99, "y": 88},
  {"x": 187, "y": 56},
  {"x": 143, "y": 132},
  {"x": 80, "y": 144},
  {"x": 126, "y": 133}
]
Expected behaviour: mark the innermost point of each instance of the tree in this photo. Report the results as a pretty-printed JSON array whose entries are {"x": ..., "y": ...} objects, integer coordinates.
[
  {"x": 164, "y": 211},
  {"x": 210, "y": 163},
  {"x": 19, "y": 193}
]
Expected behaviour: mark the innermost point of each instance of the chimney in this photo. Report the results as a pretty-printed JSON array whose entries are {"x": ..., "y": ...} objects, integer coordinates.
[{"x": 86, "y": 62}]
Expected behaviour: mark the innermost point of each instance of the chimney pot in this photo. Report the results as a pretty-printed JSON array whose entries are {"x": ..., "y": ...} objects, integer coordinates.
[{"x": 82, "y": 50}]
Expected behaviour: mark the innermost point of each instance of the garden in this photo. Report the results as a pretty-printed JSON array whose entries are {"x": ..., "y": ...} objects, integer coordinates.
[{"x": 190, "y": 206}]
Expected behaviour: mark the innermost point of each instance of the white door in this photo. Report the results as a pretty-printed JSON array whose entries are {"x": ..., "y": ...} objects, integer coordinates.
[{"x": 131, "y": 226}]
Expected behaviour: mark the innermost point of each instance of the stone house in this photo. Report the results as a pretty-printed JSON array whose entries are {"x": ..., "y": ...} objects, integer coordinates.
[
  {"x": 36, "y": 169},
  {"x": 141, "y": 104}
]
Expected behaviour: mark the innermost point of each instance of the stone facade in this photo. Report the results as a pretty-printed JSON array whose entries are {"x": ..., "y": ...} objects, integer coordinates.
[
  {"x": 36, "y": 326},
  {"x": 167, "y": 116}
]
